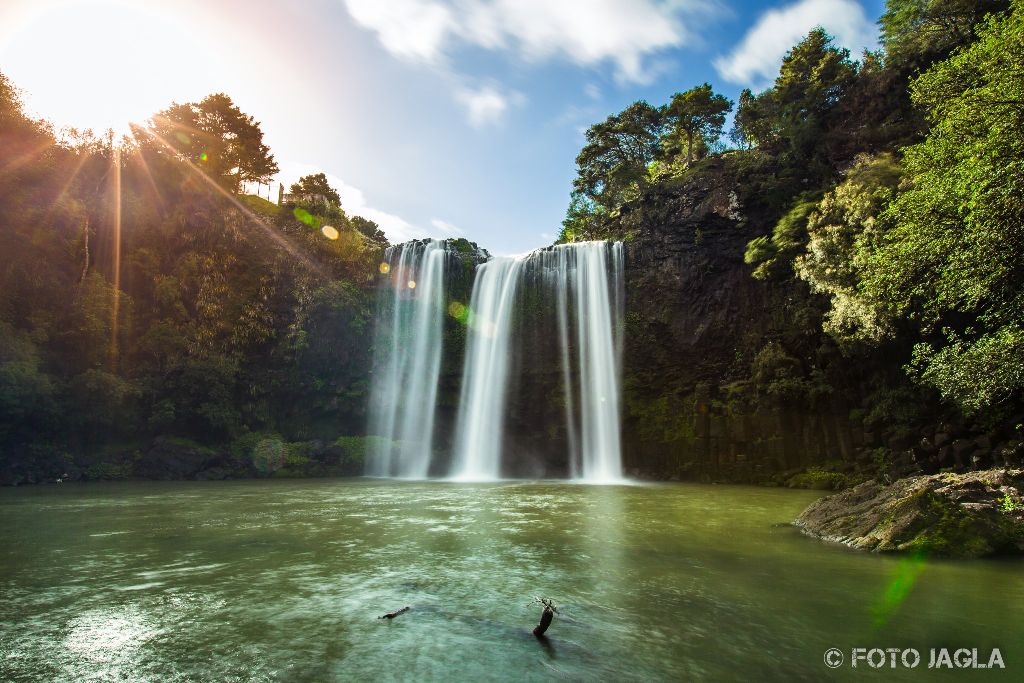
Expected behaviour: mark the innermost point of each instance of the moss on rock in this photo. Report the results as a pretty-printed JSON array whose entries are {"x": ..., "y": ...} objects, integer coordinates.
[{"x": 943, "y": 515}]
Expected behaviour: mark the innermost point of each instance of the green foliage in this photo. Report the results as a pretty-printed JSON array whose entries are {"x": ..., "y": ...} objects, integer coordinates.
[
  {"x": 822, "y": 480},
  {"x": 223, "y": 323},
  {"x": 315, "y": 189},
  {"x": 773, "y": 255},
  {"x": 844, "y": 230},
  {"x": 780, "y": 375},
  {"x": 27, "y": 393},
  {"x": 695, "y": 119},
  {"x": 612, "y": 166},
  {"x": 584, "y": 220},
  {"x": 370, "y": 229},
  {"x": 977, "y": 373},
  {"x": 356, "y": 449},
  {"x": 952, "y": 259},
  {"x": 791, "y": 119},
  {"x": 218, "y": 138},
  {"x": 918, "y": 33}
]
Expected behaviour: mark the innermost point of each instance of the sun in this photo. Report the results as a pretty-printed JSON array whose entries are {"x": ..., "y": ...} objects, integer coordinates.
[{"x": 105, "y": 64}]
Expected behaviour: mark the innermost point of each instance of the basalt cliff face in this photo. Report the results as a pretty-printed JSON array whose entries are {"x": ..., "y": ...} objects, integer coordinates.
[{"x": 730, "y": 378}]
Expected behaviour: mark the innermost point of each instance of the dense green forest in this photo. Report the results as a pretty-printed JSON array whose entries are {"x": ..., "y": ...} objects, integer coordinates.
[
  {"x": 158, "y": 322},
  {"x": 143, "y": 296},
  {"x": 888, "y": 194}
]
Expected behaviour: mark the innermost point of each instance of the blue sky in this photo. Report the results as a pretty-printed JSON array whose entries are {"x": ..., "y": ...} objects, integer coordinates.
[{"x": 433, "y": 117}]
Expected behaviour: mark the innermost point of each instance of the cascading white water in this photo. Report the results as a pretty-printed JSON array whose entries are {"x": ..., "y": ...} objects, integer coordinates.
[
  {"x": 480, "y": 425},
  {"x": 405, "y": 387},
  {"x": 587, "y": 280},
  {"x": 598, "y": 302}
]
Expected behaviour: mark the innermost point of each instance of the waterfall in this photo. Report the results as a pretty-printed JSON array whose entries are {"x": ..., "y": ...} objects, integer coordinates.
[
  {"x": 405, "y": 384},
  {"x": 598, "y": 300},
  {"x": 480, "y": 424},
  {"x": 588, "y": 295}
]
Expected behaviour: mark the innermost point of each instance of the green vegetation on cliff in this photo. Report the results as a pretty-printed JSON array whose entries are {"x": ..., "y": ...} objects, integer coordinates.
[
  {"x": 146, "y": 298},
  {"x": 877, "y": 206}
]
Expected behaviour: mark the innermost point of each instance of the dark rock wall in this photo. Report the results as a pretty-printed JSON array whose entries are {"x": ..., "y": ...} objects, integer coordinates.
[{"x": 694, "y": 318}]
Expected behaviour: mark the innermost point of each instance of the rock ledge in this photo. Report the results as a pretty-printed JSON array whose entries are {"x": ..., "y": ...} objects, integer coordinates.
[{"x": 947, "y": 515}]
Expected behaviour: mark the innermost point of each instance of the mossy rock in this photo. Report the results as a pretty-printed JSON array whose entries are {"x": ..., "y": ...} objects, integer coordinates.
[{"x": 942, "y": 515}]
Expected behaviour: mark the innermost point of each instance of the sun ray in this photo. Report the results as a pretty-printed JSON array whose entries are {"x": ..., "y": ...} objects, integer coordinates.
[
  {"x": 140, "y": 159},
  {"x": 25, "y": 157},
  {"x": 263, "y": 225},
  {"x": 116, "y": 293}
]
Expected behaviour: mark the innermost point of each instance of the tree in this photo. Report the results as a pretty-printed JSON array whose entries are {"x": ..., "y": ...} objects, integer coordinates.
[
  {"x": 612, "y": 166},
  {"x": 793, "y": 118},
  {"x": 952, "y": 260},
  {"x": 369, "y": 229},
  {"x": 843, "y": 231},
  {"x": 697, "y": 114},
  {"x": 220, "y": 139},
  {"x": 315, "y": 185},
  {"x": 918, "y": 33}
]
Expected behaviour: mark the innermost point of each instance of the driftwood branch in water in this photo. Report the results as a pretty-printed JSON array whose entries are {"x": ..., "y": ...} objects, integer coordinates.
[
  {"x": 546, "y": 616},
  {"x": 392, "y": 615}
]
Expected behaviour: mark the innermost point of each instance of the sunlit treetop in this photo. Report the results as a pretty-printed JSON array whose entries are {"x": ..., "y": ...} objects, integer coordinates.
[{"x": 225, "y": 143}]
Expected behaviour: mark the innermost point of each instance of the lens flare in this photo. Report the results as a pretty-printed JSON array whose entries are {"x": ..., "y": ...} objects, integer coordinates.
[
  {"x": 411, "y": 284},
  {"x": 306, "y": 217},
  {"x": 385, "y": 268},
  {"x": 902, "y": 580},
  {"x": 330, "y": 232},
  {"x": 203, "y": 156},
  {"x": 460, "y": 312},
  {"x": 184, "y": 139}
]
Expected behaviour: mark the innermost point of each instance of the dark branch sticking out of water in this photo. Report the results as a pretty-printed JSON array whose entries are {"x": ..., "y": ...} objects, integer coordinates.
[
  {"x": 546, "y": 616},
  {"x": 392, "y": 615}
]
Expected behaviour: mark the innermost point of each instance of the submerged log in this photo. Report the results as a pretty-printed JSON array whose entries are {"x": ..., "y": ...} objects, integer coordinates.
[
  {"x": 546, "y": 616},
  {"x": 392, "y": 615}
]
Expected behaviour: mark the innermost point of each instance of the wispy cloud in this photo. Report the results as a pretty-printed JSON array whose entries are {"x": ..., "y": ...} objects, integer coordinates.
[
  {"x": 585, "y": 32},
  {"x": 446, "y": 228},
  {"x": 755, "y": 60},
  {"x": 484, "y": 105}
]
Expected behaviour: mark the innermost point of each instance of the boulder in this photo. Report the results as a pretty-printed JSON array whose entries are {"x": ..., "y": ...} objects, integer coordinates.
[{"x": 946, "y": 515}]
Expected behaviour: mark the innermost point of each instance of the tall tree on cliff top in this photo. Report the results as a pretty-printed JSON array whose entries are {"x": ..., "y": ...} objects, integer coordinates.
[
  {"x": 220, "y": 139},
  {"x": 696, "y": 116},
  {"x": 792, "y": 118},
  {"x": 612, "y": 166}
]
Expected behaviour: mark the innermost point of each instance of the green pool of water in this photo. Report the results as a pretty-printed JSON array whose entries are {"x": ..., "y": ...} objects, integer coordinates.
[{"x": 284, "y": 580}]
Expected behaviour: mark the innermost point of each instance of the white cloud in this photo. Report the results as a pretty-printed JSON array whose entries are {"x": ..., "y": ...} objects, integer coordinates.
[
  {"x": 446, "y": 228},
  {"x": 592, "y": 91},
  {"x": 586, "y": 32},
  {"x": 755, "y": 61},
  {"x": 412, "y": 29},
  {"x": 483, "y": 106},
  {"x": 395, "y": 227}
]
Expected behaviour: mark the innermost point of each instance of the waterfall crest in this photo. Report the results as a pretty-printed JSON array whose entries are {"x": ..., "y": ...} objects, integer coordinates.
[{"x": 404, "y": 396}]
